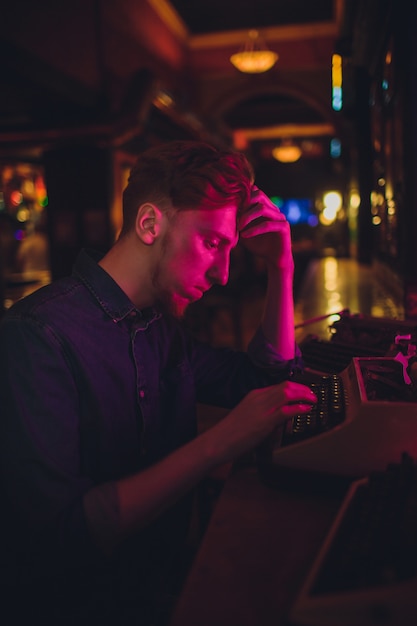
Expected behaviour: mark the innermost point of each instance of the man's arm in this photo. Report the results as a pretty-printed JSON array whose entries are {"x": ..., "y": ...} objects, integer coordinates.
[
  {"x": 147, "y": 494},
  {"x": 265, "y": 232}
]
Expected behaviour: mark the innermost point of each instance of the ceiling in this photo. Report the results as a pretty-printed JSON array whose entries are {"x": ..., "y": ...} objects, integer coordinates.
[
  {"x": 292, "y": 98},
  {"x": 135, "y": 64},
  {"x": 219, "y": 16}
]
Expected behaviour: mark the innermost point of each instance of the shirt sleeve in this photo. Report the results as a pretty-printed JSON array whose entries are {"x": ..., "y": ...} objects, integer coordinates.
[
  {"x": 224, "y": 376},
  {"x": 44, "y": 485},
  {"x": 264, "y": 356}
]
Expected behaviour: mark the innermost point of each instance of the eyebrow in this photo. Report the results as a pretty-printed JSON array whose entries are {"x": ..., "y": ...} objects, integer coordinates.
[{"x": 222, "y": 237}]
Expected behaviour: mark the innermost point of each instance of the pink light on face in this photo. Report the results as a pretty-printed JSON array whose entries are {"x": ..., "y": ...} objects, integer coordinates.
[{"x": 195, "y": 255}]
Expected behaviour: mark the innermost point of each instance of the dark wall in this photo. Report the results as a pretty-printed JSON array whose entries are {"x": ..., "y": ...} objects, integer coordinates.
[{"x": 79, "y": 182}]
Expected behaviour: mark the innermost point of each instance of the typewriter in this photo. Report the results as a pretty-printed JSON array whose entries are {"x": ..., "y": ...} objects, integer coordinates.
[
  {"x": 365, "y": 417},
  {"x": 365, "y": 572}
]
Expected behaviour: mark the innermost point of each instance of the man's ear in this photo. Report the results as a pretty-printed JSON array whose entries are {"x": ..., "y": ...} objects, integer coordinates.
[{"x": 148, "y": 223}]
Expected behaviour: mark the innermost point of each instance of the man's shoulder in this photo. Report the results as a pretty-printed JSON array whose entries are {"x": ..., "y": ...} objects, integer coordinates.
[{"x": 58, "y": 293}]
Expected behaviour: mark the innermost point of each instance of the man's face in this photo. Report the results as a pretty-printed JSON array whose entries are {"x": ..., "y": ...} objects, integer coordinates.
[{"x": 195, "y": 254}]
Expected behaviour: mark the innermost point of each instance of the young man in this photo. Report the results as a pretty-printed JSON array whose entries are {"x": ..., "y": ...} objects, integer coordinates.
[{"x": 99, "y": 384}]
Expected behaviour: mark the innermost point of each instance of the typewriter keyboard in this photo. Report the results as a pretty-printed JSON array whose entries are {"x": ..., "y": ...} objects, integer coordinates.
[{"x": 327, "y": 413}]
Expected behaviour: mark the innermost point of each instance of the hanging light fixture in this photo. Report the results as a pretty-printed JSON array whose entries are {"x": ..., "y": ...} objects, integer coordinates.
[
  {"x": 287, "y": 152},
  {"x": 255, "y": 57}
]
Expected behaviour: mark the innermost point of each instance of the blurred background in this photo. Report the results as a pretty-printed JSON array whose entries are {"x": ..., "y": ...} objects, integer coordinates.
[{"x": 322, "y": 101}]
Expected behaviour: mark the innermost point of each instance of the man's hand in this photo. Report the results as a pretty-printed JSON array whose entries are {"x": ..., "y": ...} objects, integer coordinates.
[
  {"x": 145, "y": 495},
  {"x": 264, "y": 231},
  {"x": 258, "y": 415}
]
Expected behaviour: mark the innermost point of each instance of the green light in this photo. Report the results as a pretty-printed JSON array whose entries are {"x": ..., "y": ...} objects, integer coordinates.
[{"x": 277, "y": 200}]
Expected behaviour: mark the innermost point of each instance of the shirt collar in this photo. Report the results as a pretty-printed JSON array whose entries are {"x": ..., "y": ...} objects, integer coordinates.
[{"x": 106, "y": 291}]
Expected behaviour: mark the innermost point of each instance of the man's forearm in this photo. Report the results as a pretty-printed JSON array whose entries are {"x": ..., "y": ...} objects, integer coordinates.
[
  {"x": 144, "y": 496},
  {"x": 117, "y": 510},
  {"x": 278, "y": 316}
]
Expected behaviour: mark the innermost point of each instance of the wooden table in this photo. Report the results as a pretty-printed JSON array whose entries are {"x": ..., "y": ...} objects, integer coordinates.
[{"x": 258, "y": 547}]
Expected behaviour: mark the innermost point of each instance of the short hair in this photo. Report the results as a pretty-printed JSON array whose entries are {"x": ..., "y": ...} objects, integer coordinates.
[{"x": 186, "y": 175}]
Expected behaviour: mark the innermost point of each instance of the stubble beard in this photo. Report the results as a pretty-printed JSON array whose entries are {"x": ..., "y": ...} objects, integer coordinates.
[
  {"x": 167, "y": 301},
  {"x": 170, "y": 304}
]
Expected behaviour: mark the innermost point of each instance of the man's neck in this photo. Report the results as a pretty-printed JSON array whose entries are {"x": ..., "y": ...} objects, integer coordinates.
[{"x": 131, "y": 273}]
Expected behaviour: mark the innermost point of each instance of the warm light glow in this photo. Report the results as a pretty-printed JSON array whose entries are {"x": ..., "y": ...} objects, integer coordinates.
[
  {"x": 337, "y": 95},
  {"x": 287, "y": 152},
  {"x": 40, "y": 191},
  {"x": 16, "y": 198},
  {"x": 255, "y": 57},
  {"x": 333, "y": 200},
  {"x": 327, "y": 216},
  {"x": 377, "y": 198},
  {"x": 163, "y": 100},
  {"x": 23, "y": 215},
  {"x": 355, "y": 200},
  {"x": 331, "y": 275},
  {"x": 391, "y": 210},
  {"x": 28, "y": 188},
  {"x": 255, "y": 62},
  {"x": 240, "y": 141},
  {"x": 337, "y": 70}
]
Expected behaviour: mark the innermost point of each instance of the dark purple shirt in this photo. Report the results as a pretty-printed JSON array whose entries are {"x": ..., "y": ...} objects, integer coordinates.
[{"x": 92, "y": 390}]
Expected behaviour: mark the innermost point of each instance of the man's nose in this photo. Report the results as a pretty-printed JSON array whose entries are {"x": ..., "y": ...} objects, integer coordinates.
[{"x": 219, "y": 272}]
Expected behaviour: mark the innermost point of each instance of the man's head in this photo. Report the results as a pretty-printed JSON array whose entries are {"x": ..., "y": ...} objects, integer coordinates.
[
  {"x": 184, "y": 175},
  {"x": 180, "y": 211}
]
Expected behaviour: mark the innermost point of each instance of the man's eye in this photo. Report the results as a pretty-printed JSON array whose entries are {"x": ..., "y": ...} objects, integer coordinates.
[{"x": 212, "y": 245}]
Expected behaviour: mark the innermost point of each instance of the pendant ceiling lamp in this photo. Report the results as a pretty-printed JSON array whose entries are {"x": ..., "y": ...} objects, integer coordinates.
[
  {"x": 254, "y": 57},
  {"x": 287, "y": 152}
]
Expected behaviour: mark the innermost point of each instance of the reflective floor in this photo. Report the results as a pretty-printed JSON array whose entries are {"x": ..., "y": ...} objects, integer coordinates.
[{"x": 331, "y": 285}]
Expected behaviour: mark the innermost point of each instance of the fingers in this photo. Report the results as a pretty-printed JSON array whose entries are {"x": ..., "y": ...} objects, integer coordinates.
[
  {"x": 268, "y": 408},
  {"x": 291, "y": 410},
  {"x": 297, "y": 394},
  {"x": 252, "y": 229},
  {"x": 262, "y": 211},
  {"x": 258, "y": 197},
  {"x": 262, "y": 208},
  {"x": 287, "y": 396},
  {"x": 261, "y": 412}
]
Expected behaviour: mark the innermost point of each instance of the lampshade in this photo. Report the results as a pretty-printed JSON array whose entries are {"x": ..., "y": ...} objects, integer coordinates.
[
  {"x": 287, "y": 152},
  {"x": 255, "y": 57}
]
